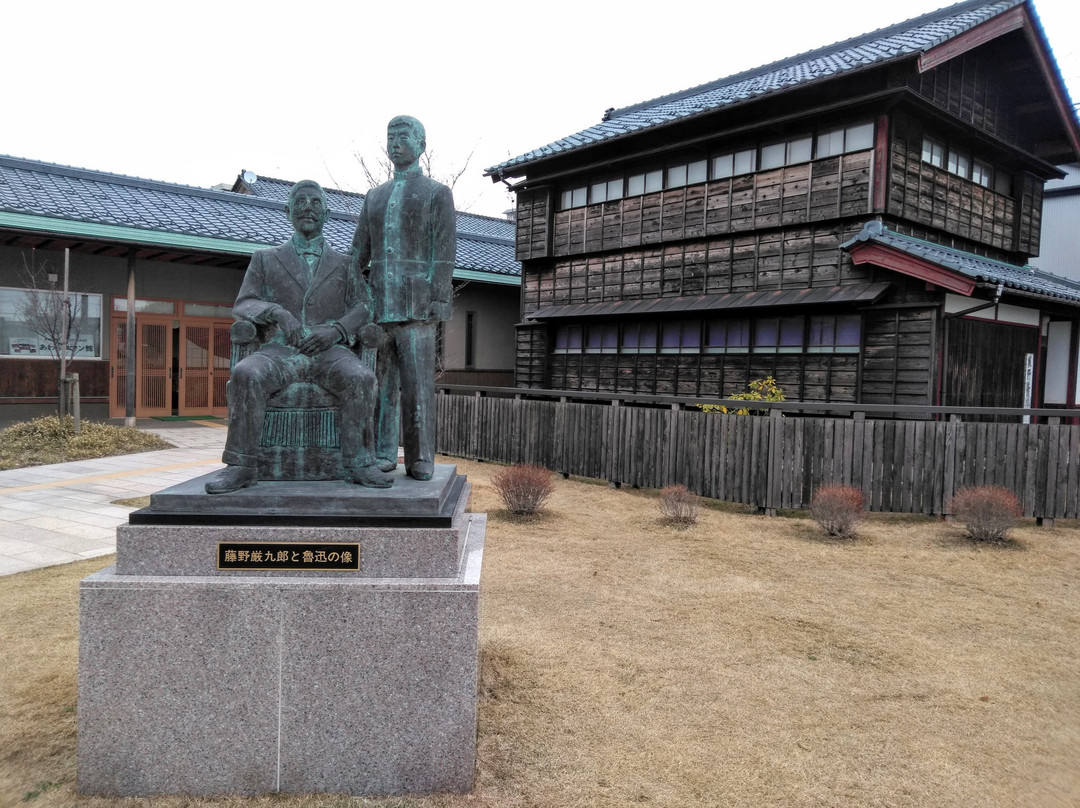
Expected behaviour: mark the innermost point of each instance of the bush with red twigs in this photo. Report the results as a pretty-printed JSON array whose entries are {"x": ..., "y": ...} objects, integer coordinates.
[
  {"x": 837, "y": 509},
  {"x": 679, "y": 504},
  {"x": 987, "y": 511},
  {"x": 524, "y": 489}
]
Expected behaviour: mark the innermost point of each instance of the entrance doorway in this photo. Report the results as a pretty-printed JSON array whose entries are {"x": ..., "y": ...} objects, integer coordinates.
[{"x": 194, "y": 385}]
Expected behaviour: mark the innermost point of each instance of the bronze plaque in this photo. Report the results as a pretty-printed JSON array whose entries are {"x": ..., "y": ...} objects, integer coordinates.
[{"x": 281, "y": 555}]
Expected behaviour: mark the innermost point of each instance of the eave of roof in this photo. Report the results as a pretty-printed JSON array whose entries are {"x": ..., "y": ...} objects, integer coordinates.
[
  {"x": 858, "y": 293},
  {"x": 950, "y": 268},
  {"x": 123, "y": 235},
  {"x": 905, "y": 40}
]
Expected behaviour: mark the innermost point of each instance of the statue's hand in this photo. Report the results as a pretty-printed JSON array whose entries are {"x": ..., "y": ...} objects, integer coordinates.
[
  {"x": 320, "y": 338},
  {"x": 440, "y": 310},
  {"x": 372, "y": 335},
  {"x": 289, "y": 325}
]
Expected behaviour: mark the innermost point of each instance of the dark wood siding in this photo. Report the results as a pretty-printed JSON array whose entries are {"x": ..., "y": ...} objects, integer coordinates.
[
  {"x": 984, "y": 363},
  {"x": 931, "y": 196},
  {"x": 832, "y": 188},
  {"x": 530, "y": 368},
  {"x": 39, "y": 378},
  {"x": 790, "y": 258},
  {"x": 804, "y": 377},
  {"x": 973, "y": 87},
  {"x": 532, "y": 218},
  {"x": 1030, "y": 222},
  {"x": 898, "y": 351}
]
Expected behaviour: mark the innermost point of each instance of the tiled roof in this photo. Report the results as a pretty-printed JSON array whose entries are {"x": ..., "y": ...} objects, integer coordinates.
[
  {"x": 1025, "y": 279},
  {"x": 485, "y": 243},
  {"x": 50, "y": 191},
  {"x": 903, "y": 40},
  {"x": 271, "y": 188},
  {"x": 62, "y": 192}
]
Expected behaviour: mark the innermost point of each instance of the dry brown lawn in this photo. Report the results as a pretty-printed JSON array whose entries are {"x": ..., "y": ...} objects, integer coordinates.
[{"x": 742, "y": 661}]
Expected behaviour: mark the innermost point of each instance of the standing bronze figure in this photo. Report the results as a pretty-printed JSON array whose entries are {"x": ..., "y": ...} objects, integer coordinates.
[{"x": 406, "y": 239}]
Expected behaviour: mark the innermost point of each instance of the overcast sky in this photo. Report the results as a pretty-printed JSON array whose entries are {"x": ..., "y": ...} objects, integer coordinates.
[{"x": 195, "y": 92}]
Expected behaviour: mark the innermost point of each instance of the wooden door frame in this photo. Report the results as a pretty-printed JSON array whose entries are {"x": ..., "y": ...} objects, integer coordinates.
[{"x": 212, "y": 325}]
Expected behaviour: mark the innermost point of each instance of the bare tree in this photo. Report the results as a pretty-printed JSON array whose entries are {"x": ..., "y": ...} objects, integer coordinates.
[
  {"x": 378, "y": 169},
  {"x": 57, "y": 319}
]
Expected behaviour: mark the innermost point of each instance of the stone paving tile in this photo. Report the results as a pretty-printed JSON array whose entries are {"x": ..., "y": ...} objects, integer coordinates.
[
  {"x": 38, "y": 495},
  {"x": 47, "y": 556},
  {"x": 11, "y": 546},
  {"x": 77, "y": 544},
  {"x": 11, "y": 507},
  {"x": 81, "y": 495},
  {"x": 93, "y": 520},
  {"x": 101, "y": 534},
  {"x": 119, "y": 512},
  {"x": 10, "y": 566},
  {"x": 46, "y": 522},
  {"x": 23, "y": 532}
]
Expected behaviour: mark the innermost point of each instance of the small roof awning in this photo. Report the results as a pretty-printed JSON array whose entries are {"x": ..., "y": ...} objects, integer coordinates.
[
  {"x": 952, "y": 269},
  {"x": 864, "y": 293}
]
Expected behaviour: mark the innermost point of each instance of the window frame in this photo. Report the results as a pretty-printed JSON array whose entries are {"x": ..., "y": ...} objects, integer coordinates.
[{"x": 93, "y": 336}]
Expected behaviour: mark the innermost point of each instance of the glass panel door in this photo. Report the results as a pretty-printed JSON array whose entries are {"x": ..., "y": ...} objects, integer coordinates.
[
  {"x": 153, "y": 384},
  {"x": 222, "y": 367},
  {"x": 118, "y": 370},
  {"x": 194, "y": 370}
]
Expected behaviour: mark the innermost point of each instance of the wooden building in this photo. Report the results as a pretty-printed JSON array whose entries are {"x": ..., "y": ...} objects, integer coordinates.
[
  {"x": 176, "y": 255},
  {"x": 855, "y": 221}
]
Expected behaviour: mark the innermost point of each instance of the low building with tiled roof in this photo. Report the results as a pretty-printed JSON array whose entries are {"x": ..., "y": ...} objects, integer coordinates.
[
  {"x": 184, "y": 250},
  {"x": 857, "y": 221}
]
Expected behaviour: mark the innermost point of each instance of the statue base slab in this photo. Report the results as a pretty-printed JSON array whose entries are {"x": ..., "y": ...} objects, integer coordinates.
[{"x": 408, "y": 503}]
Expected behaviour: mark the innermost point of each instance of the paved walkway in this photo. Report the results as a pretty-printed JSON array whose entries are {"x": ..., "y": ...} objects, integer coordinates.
[{"x": 63, "y": 512}]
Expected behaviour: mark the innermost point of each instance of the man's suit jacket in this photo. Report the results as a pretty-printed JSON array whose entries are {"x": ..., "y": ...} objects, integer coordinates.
[
  {"x": 411, "y": 271},
  {"x": 279, "y": 277}
]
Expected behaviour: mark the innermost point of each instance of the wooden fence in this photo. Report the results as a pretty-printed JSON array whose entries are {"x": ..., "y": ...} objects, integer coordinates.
[{"x": 905, "y": 466}]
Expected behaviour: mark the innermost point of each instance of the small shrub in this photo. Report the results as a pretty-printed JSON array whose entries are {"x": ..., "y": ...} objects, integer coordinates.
[
  {"x": 760, "y": 390},
  {"x": 987, "y": 511},
  {"x": 51, "y": 439},
  {"x": 524, "y": 489},
  {"x": 679, "y": 504},
  {"x": 837, "y": 509}
]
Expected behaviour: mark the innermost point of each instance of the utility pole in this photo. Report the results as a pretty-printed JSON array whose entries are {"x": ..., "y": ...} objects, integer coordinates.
[{"x": 65, "y": 313}]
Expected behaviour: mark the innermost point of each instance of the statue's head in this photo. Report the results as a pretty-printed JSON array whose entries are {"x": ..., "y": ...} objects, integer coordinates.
[
  {"x": 306, "y": 208},
  {"x": 405, "y": 141}
]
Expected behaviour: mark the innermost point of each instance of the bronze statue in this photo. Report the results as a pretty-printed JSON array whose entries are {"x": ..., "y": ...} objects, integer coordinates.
[
  {"x": 406, "y": 238},
  {"x": 303, "y": 293}
]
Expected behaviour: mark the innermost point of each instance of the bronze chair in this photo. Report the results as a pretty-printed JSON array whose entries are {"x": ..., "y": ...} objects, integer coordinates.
[{"x": 300, "y": 435}]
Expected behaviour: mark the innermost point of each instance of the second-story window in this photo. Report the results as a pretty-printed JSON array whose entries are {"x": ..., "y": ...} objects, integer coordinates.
[
  {"x": 845, "y": 139},
  {"x": 789, "y": 152},
  {"x": 963, "y": 164},
  {"x": 734, "y": 164},
  {"x": 933, "y": 152},
  {"x": 718, "y": 166}
]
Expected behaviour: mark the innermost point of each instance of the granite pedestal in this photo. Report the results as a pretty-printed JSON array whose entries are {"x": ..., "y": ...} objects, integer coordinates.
[{"x": 203, "y": 675}]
